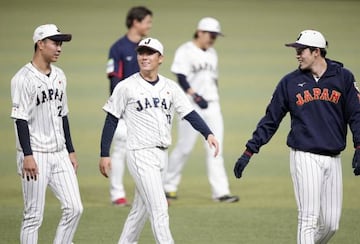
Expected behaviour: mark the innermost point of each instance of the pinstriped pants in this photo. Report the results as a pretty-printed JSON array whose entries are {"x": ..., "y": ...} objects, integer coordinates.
[
  {"x": 57, "y": 172},
  {"x": 147, "y": 167},
  {"x": 317, "y": 181}
]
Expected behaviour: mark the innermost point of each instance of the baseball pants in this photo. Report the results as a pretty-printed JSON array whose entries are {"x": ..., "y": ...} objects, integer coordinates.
[
  {"x": 146, "y": 167},
  {"x": 118, "y": 157},
  {"x": 57, "y": 172},
  {"x": 317, "y": 181}
]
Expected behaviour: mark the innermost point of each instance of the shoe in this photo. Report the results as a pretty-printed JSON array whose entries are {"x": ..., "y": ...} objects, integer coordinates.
[
  {"x": 171, "y": 195},
  {"x": 121, "y": 202},
  {"x": 227, "y": 198}
]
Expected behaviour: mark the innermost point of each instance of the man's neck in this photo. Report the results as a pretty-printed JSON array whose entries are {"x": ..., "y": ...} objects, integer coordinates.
[
  {"x": 41, "y": 65},
  {"x": 319, "y": 68},
  {"x": 134, "y": 36},
  {"x": 150, "y": 76},
  {"x": 199, "y": 44}
]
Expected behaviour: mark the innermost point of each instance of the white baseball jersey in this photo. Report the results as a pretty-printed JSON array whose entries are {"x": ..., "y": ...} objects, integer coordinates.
[
  {"x": 148, "y": 109},
  {"x": 35, "y": 95},
  {"x": 200, "y": 68}
]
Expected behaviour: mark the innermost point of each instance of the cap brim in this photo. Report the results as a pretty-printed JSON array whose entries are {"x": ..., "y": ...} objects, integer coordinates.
[
  {"x": 61, "y": 37},
  {"x": 139, "y": 48},
  {"x": 295, "y": 45},
  {"x": 212, "y": 31}
]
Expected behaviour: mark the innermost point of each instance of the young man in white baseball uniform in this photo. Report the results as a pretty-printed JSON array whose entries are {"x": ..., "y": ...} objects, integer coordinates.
[
  {"x": 322, "y": 100},
  {"x": 45, "y": 153},
  {"x": 147, "y": 102},
  {"x": 121, "y": 64},
  {"x": 196, "y": 67}
]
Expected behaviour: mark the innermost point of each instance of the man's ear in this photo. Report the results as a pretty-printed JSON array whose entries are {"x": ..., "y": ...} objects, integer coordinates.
[{"x": 161, "y": 58}]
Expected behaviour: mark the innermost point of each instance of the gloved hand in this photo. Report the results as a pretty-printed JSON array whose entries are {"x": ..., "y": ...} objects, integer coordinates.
[
  {"x": 356, "y": 162},
  {"x": 241, "y": 164},
  {"x": 200, "y": 101}
]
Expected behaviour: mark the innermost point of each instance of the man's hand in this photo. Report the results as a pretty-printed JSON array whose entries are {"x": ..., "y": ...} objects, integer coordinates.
[
  {"x": 105, "y": 166},
  {"x": 356, "y": 162},
  {"x": 213, "y": 143},
  {"x": 30, "y": 169},
  {"x": 74, "y": 161},
  {"x": 200, "y": 101},
  {"x": 241, "y": 164}
]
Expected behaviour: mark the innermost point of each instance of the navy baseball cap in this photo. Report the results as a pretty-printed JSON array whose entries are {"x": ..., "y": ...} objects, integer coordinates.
[
  {"x": 309, "y": 38},
  {"x": 50, "y": 31}
]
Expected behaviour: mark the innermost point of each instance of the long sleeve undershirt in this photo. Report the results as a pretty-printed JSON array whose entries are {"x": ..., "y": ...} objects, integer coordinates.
[
  {"x": 107, "y": 134},
  {"x": 198, "y": 123},
  {"x": 24, "y": 135},
  {"x": 184, "y": 84}
]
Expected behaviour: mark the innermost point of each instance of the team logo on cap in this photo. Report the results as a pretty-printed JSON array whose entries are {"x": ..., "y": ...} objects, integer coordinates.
[{"x": 299, "y": 37}]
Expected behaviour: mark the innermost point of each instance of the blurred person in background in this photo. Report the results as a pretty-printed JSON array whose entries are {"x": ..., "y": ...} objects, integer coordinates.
[{"x": 196, "y": 68}]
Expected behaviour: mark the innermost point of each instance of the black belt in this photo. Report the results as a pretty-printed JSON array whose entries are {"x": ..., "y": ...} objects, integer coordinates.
[{"x": 161, "y": 148}]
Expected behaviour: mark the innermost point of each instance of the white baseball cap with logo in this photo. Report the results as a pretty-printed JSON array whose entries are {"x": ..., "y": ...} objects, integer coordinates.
[
  {"x": 50, "y": 31},
  {"x": 151, "y": 43},
  {"x": 209, "y": 24},
  {"x": 309, "y": 38}
]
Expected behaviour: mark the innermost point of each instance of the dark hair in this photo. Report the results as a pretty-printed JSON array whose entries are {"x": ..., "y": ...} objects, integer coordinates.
[
  {"x": 137, "y": 13},
  {"x": 323, "y": 51}
]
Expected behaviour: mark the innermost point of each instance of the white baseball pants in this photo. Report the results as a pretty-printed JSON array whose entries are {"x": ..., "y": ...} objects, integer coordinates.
[
  {"x": 146, "y": 167},
  {"x": 317, "y": 181},
  {"x": 118, "y": 157},
  {"x": 57, "y": 172}
]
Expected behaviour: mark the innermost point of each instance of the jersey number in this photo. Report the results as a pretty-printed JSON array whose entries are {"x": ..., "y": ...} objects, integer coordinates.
[
  {"x": 168, "y": 117},
  {"x": 60, "y": 108}
]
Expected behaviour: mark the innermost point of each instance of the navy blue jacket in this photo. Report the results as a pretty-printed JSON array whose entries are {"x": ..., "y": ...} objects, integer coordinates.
[
  {"x": 123, "y": 53},
  {"x": 320, "y": 111}
]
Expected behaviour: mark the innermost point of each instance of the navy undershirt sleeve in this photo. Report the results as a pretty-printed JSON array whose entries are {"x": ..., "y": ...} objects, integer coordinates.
[
  {"x": 198, "y": 123},
  {"x": 113, "y": 82},
  {"x": 24, "y": 136},
  {"x": 107, "y": 134},
  {"x": 183, "y": 82},
  {"x": 68, "y": 141}
]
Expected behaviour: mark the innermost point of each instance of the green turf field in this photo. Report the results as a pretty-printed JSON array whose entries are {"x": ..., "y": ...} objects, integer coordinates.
[{"x": 252, "y": 59}]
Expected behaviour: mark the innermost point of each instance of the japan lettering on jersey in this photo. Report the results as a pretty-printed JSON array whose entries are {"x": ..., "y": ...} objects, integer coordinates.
[
  {"x": 148, "y": 109},
  {"x": 200, "y": 69},
  {"x": 42, "y": 102}
]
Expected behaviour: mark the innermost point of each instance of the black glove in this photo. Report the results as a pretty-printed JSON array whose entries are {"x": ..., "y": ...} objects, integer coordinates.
[
  {"x": 200, "y": 101},
  {"x": 241, "y": 164},
  {"x": 356, "y": 162}
]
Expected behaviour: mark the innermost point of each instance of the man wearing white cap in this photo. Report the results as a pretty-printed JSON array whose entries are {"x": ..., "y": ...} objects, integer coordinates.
[
  {"x": 322, "y": 100},
  {"x": 196, "y": 67},
  {"x": 45, "y": 153},
  {"x": 147, "y": 102}
]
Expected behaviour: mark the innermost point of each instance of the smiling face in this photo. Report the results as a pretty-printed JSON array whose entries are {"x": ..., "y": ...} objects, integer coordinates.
[
  {"x": 149, "y": 60},
  {"x": 306, "y": 57}
]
